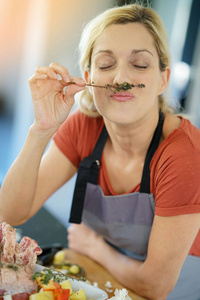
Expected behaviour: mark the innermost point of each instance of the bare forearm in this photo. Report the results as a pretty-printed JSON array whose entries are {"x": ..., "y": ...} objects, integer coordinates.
[
  {"x": 18, "y": 189},
  {"x": 129, "y": 272}
]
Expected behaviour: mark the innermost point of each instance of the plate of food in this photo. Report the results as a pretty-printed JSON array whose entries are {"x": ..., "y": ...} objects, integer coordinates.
[
  {"x": 79, "y": 290},
  {"x": 22, "y": 279}
]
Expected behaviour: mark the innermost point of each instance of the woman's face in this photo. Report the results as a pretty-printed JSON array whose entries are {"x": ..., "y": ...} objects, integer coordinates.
[{"x": 126, "y": 53}]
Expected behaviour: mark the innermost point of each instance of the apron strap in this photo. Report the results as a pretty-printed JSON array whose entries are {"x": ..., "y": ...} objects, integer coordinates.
[
  {"x": 145, "y": 182},
  {"x": 87, "y": 172}
]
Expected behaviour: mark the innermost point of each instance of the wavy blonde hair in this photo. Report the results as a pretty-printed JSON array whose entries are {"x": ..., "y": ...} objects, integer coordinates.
[{"x": 122, "y": 15}]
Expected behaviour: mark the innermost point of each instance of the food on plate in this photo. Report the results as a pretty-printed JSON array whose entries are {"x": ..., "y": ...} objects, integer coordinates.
[
  {"x": 19, "y": 281},
  {"x": 17, "y": 262},
  {"x": 62, "y": 265},
  {"x": 51, "y": 280},
  {"x": 48, "y": 295},
  {"x": 67, "y": 285},
  {"x": 79, "y": 295}
]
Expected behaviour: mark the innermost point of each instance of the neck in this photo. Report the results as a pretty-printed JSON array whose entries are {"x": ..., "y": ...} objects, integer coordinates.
[{"x": 131, "y": 141}]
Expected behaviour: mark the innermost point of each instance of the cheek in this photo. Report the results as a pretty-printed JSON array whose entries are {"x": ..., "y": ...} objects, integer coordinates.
[
  {"x": 98, "y": 95},
  {"x": 153, "y": 84},
  {"x": 98, "y": 77}
]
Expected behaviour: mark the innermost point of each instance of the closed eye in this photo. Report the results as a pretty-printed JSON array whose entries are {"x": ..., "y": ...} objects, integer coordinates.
[
  {"x": 105, "y": 67},
  {"x": 141, "y": 67}
]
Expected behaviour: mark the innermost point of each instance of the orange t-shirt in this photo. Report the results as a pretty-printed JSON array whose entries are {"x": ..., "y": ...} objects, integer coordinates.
[{"x": 175, "y": 166}]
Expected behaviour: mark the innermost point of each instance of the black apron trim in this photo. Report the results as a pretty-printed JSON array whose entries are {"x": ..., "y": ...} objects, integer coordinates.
[
  {"x": 89, "y": 169},
  {"x": 145, "y": 182},
  {"x": 88, "y": 172}
]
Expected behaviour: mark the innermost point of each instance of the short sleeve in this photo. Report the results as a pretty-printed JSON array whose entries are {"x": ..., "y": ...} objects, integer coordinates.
[
  {"x": 77, "y": 136},
  {"x": 176, "y": 184}
]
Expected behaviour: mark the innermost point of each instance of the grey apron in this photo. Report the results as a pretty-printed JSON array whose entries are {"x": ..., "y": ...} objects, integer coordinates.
[{"x": 125, "y": 221}]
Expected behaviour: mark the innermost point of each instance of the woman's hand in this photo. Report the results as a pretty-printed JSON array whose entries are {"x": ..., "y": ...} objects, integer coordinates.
[
  {"x": 51, "y": 104},
  {"x": 84, "y": 240}
]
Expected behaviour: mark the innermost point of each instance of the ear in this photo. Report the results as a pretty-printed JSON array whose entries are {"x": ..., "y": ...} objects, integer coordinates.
[
  {"x": 165, "y": 75},
  {"x": 87, "y": 76},
  {"x": 88, "y": 80}
]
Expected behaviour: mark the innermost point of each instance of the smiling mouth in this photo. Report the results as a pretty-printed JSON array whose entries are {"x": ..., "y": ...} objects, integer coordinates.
[{"x": 122, "y": 96}]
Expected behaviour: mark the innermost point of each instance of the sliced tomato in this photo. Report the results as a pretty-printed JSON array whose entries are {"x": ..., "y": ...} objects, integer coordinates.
[
  {"x": 52, "y": 286},
  {"x": 62, "y": 294}
]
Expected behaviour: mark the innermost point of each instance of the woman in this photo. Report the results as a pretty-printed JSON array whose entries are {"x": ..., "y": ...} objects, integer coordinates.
[{"x": 137, "y": 193}]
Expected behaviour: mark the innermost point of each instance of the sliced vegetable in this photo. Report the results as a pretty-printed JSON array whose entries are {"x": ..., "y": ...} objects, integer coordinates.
[
  {"x": 59, "y": 257},
  {"x": 67, "y": 285},
  {"x": 47, "y": 295},
  {"x": 62, "y": 294},
  {"x": 74, "y": 269},
  {"x": 51, "y": 286},
  {"x": 79, "y": 295}
]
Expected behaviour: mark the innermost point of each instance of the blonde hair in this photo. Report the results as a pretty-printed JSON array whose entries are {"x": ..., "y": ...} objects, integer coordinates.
[{"x": 122, "y": 15}]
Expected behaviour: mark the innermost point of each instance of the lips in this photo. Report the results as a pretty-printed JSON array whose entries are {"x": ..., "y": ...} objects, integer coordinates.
[{"x": 122, "y": 96}]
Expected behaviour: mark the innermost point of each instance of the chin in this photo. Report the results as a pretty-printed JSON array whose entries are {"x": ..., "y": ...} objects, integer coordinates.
[{"x": 120, "y": 119}]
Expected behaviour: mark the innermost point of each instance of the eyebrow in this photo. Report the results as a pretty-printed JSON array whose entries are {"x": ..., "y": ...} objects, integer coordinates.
[
  {"x": 135, "y": 51},
  {"x": 104, "y": 51},
  {"x": 141, "y": 50}
]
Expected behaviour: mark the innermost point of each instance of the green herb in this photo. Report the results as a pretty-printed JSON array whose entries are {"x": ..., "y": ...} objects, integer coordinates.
[
  {"x": 1, "y": 265},
  {"x": 114, "y": 87},
  {"x": 47, "y": 274},
  {"x": 124, "y": 86},
  {"x": 0, "y": 247},
  {"x": 15, "y": 268}
]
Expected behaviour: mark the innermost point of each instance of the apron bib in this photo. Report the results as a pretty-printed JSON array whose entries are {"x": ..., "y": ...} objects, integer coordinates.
[
  {"x": 129, "y": 230},
  {"x": 124, "y": 221}
]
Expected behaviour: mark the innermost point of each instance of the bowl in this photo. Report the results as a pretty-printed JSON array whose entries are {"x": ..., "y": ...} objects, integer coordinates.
[{"x": 90, "y": 291}]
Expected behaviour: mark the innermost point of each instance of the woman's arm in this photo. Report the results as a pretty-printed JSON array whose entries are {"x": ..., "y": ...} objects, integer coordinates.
[
  {"x": 30, "y": 181},
  {"x": 170, "y": 241}
]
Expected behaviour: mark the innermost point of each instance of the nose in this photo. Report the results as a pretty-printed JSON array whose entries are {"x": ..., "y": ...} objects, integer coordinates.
[{"x": 122, "y": 75}]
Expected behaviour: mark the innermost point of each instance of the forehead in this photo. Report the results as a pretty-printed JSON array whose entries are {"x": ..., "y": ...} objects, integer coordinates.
[{"x": 121, "y": 37}]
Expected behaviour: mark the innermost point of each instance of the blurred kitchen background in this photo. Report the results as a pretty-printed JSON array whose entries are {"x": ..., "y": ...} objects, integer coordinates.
[{"x": 37, "y": 32}]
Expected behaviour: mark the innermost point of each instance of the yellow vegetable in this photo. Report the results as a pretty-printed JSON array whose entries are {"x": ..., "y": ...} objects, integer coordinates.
[
  {"x": 59, "y": 257},
  {"x": 67, "y": 285},
  {"x": 48, "y": 295},
  {"x": 79, "y": 295},
  {"x": 74, "y": 269},
  {"x": 39, "y": 280}
]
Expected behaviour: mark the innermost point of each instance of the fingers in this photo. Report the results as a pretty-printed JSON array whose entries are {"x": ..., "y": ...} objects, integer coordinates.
[
  {"x": 63, "y": 75},
  {"x": 56, "y": 72},
  {"x": 43, "y": 73},
  {"x": 61, "y": 71}
]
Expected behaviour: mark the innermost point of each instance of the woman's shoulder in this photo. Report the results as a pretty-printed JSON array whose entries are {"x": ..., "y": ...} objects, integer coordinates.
[
  {"x": 78, "y": 134},
  {"x": 181, "y": 142},
  {"x": 79, "y": 123},
  {"x": 175, "y": 169},
  {"x": 180, "y": 133}
]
